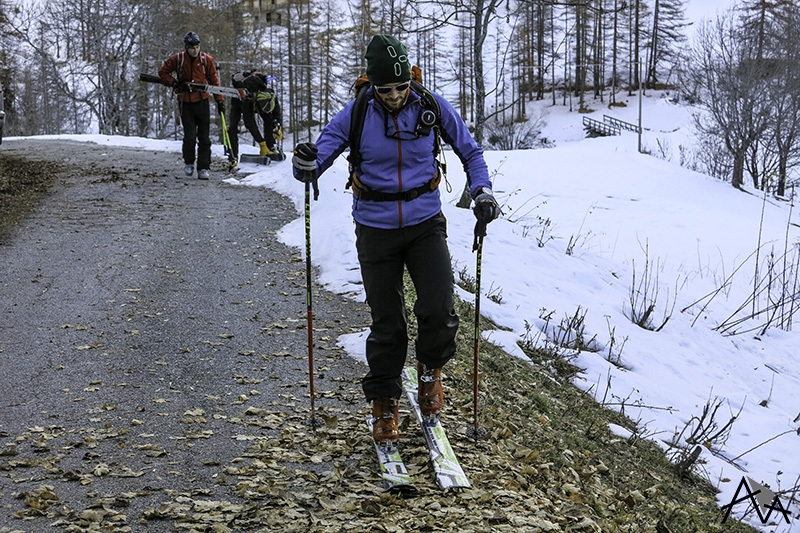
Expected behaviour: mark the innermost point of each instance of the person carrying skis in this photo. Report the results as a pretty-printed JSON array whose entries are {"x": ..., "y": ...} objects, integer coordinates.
[
  {"x": 179, "y": 69},
  {"x": 399, "y": 223},
  {"x": 260, "y": 99}
]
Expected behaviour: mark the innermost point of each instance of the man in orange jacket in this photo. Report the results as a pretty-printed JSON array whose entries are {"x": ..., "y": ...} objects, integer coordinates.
[{"x": 193, "y": 66}]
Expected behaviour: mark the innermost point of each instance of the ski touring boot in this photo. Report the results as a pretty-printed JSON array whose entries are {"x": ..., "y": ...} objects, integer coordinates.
[
  {"x": 385, "y": 431},
  {"x": 430, "y": 395}
]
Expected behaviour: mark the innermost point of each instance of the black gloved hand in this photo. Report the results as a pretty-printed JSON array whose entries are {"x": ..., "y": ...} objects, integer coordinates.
[
  {"x": 486, "y": 208},
  {"x": 220, "y": 107},
  {"x": 181, "y": 87},
  {"x": 305, "y": 162}
]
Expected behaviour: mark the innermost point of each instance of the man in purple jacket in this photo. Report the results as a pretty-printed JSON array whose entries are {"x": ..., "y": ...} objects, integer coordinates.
[{"x": 399, "y": 223}]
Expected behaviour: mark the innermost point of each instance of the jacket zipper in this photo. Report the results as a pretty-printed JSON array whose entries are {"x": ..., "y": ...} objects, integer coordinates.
[{"x": 399, "y": 175}]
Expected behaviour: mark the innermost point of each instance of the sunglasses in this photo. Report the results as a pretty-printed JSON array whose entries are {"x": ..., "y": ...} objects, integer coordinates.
[{"x": 399, "y": 88}]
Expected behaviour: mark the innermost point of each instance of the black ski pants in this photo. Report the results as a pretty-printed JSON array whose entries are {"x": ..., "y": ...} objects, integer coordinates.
[
  {"x": 245, "y": 109},
  {"x": 196, "y": 119},
  {"x": 383, "y": 254}
]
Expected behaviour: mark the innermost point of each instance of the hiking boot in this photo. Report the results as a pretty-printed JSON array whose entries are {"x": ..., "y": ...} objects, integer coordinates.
[
  {"x": 430, "y": 395},
  {"x": 384, "y": 425},
  {"x": 188, "y": 170},
  {"x": 203, "y": 174},
  {"x": 262, "y": 149}
]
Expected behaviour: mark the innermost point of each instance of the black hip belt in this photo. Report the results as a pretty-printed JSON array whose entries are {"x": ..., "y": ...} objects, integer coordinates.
[{"x": 363, "y": 192}]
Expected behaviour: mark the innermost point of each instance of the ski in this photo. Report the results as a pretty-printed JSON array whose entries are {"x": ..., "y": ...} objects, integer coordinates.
[
  {"x": 261, "y": 159},
  {"x": 449, "y": 474},
  {"x": 393, "y": 471},
  {"x": 230, "y": 92}
]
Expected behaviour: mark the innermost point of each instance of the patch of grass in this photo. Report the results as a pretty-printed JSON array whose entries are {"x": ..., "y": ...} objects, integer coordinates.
[
  {"x": 620, "y": 484},
  {"x": 22, "y": 184}
]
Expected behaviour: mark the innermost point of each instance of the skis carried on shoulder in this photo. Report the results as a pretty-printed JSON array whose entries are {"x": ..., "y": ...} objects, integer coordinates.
[
  {"x": 231, "y": 92},
  {"x": 449, "y": 474},
  {"x": 393, "y": 471}
]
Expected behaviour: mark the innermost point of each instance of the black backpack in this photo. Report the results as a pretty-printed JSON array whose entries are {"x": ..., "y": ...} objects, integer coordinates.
[
  {"x": 429, "y": 120},
  {"x": 251, "y": 80}
]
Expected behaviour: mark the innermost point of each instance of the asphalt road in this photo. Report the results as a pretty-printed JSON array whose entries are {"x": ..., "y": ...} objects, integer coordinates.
[{"x": 141, "y": 315}]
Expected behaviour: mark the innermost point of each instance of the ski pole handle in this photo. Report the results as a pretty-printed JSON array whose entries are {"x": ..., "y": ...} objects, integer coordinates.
[{"x": 480, "y": 233}]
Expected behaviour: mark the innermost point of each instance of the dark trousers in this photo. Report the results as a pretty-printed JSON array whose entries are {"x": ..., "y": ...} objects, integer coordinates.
[
  {"x": 422, "y": 249},
  {"x": 246, "y": 109},
  {"x": 196, "y": 119}
]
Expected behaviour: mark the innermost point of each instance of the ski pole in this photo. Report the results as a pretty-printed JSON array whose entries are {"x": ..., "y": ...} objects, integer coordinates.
[
  {"x": 226, "y": 142},
  {"x": 477, "y": 246},
  {"x": 313, "y": 422}
]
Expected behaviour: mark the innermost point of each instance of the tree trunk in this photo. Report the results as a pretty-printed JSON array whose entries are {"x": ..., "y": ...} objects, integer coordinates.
[
  {"x": 737, "y": 180},
  {"x": 782, "y": 158}
]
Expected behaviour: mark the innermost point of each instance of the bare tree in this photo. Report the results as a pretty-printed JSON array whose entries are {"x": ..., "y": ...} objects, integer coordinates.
[
  {"x": 729, "y": 88},
  {"x": 774, "y": 29},
  {"x": 473, "y": 17},
  {"x": 637, "y": 36},
  {"x": 667, "y": 39}
]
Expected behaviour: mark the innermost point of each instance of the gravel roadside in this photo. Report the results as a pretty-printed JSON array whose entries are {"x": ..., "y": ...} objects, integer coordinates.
[{"x": 145, "y": 321}]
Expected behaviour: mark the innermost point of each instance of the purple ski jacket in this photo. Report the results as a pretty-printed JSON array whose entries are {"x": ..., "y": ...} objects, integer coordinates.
[{"x": 394, "y": 159}]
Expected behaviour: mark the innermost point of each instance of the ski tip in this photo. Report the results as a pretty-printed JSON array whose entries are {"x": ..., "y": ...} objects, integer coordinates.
[
  {"x": 402, "y": 489},
  {"x": 464, "y": 485}
]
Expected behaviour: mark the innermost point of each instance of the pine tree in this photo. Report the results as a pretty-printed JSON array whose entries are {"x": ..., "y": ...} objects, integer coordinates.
[{"x": 668, "y": 38}]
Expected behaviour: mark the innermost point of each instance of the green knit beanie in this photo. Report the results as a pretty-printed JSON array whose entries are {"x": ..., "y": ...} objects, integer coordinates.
[{"x": 387, "y": 61}]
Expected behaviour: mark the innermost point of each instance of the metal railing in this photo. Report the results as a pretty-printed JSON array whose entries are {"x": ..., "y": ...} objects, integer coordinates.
[
  {"x": 621, "y": 124},
  {"x": 600, "y": 128}
]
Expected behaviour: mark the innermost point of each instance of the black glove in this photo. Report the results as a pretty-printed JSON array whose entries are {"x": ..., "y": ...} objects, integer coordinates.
[
  {"x": 305, "y": 162},
  {"x": 486, "y": 208},
  {"x": 181, "y": 87},
  {"x": 220, "y": 107}
]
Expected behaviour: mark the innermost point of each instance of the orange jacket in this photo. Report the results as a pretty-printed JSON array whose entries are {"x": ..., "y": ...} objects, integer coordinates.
[{"x": 198, "y": 70}]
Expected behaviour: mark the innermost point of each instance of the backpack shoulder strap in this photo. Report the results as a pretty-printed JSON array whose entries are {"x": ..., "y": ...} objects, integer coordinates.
[
  {"x": 428, "y": 100},
  {"x": 181, "y": 57},
  {"x": 357, "y": 116}
]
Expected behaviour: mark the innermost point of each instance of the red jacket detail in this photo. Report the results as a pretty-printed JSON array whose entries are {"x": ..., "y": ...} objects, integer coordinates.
[{"x": 198, "y": 70}]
